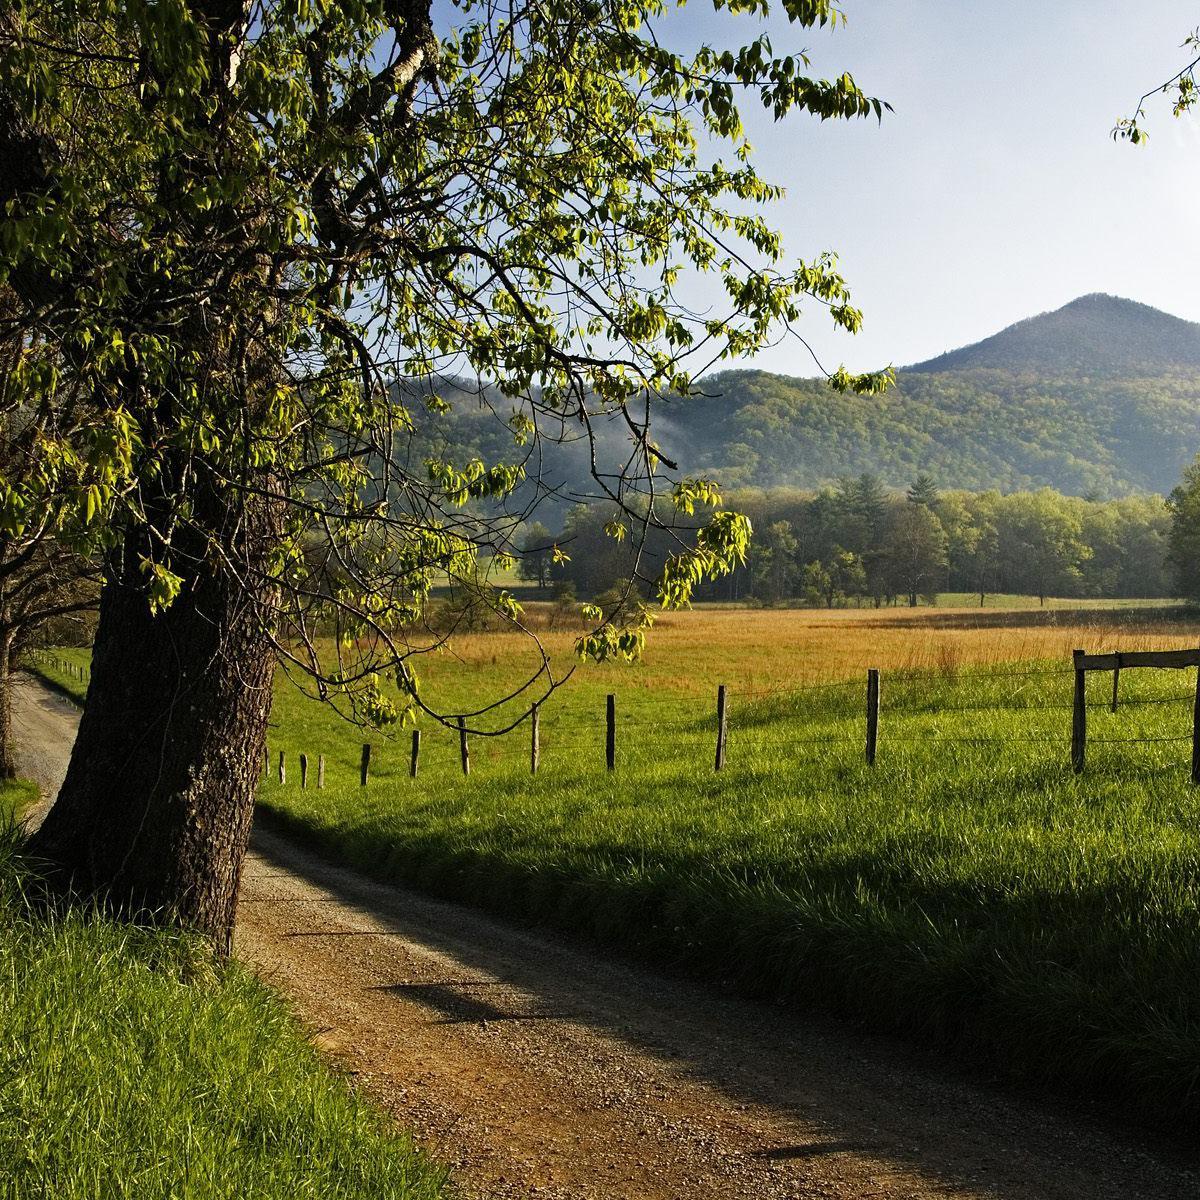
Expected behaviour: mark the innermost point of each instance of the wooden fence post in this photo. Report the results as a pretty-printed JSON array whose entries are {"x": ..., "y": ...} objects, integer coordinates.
[
  {"x": 464, "y": 750},
  {"x": 872, "y": 714},
  {"x": 1116, "y": 681},
  {"x": 282, "y": 768},
  {"x": 415, "y": 760},
  {"x": 610, "y": 732},
  {"x": 364, "y": 768},
  {"x": 1079, "y": 716},
  {"x": 304, "y": 770},
  {"x": 722, "y": 728},
  {"x": 535, "y": 739},
  {"x": 320, "y": 770},
  {"x": 1196, "y": 732}
]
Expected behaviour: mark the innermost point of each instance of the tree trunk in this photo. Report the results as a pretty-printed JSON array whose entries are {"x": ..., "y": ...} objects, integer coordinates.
[
  {"x": 8, "y": 765},
  {"x": 154, "y": 814}
]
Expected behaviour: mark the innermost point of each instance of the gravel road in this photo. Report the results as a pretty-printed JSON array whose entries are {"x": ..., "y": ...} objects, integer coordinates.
[{"x": 538, "y": 1068}]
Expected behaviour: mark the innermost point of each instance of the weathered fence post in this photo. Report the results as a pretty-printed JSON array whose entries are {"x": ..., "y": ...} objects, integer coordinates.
[
  {"x": 304, "y": 770},
  {"x": 320, "y": 770},
  {"x": 1196, "y": 732},
  {"x": 364, "y": 768},
  {"x": 872, "y": 714},
  {"x": 535, "y": 739},
  {"x": 1116, "y": 681},
  {"x": 722, "y": 728},
  {"x": 610, "y": 732},
  {"x": 415, "y": 759},
  {"x": 282, "y": 768},
  {"x": 464, "y": 750},
  {"x": 1079, "y": 715}
]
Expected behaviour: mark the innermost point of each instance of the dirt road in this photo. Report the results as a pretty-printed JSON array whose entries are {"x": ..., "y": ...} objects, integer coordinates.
[{"x": 538, "y": 1068}]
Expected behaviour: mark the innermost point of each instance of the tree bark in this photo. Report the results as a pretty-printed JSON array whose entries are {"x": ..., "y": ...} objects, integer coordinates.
[
  {"x": 8, "y": 765},
  {"x": 154, "y": 814}
]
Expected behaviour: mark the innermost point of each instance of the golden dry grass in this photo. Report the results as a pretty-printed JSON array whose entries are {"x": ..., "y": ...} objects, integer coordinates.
[{"x": 753, "y": 649}]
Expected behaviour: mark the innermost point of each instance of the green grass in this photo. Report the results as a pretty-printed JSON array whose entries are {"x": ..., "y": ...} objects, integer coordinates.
[
  {"x": 47, "y": 665},
  {"x": 972, "y": 893},
  {"x": 132, "y": 1067},
  {"x": 976, "y": 894},
  {"x": 1006, "y": 600},
  {"x": 16, "y": 795}
]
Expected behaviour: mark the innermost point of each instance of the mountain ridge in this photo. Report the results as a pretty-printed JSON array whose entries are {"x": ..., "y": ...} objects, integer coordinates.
[
  {"x": 1097, "y": 332},
  {"x": 1100, "y": 396}
]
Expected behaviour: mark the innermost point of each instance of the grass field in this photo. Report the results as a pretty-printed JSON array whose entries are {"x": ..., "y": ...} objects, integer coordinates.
[
  {"x": 969, "y": 890},
  {"x": 133, "y": 1068}
]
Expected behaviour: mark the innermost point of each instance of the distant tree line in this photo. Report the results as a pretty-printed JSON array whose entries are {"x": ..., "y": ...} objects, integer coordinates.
[{"x": 859, "y": 543}]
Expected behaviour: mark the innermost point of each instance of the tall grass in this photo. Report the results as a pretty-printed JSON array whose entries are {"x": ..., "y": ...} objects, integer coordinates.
[
  {"x": 970, "y": 889},
  {"x": 132, "y": 1067}
]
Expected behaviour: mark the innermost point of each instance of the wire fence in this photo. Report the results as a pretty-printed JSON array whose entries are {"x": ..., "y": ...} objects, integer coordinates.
[
  {"x": 757, "y": 726},
  {"x": 752, "y": 721}
]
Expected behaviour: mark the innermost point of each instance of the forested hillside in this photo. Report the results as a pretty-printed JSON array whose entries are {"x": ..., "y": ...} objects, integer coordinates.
[{"x": 1101, "y": 397}]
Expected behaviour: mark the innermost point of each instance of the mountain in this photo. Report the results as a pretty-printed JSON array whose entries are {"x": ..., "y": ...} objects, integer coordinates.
[
  {"x": 1095, "y": 334},
  {"x": 1101, "y": 396}
]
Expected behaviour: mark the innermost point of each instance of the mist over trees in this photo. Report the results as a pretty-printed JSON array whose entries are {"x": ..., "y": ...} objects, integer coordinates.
[{"x": 859, "y": 543}]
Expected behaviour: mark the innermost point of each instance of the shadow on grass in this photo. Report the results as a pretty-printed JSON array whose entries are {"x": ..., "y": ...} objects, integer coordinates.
[{"x": 854, "y": 1090}]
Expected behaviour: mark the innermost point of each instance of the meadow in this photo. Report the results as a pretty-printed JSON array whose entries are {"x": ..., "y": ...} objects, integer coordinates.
[{"x": 969, "y": 890}]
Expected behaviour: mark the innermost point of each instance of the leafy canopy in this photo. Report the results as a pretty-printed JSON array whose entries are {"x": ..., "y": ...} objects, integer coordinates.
[{"x": 243, "y": 244}]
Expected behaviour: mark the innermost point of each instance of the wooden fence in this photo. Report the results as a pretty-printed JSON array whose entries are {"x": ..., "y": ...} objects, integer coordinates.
[
  {"x": 872, "y": 739},
  {"x": 1113, "y": 662}
]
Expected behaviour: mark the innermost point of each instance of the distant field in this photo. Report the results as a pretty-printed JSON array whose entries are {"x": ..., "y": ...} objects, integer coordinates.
[
  {"x": 970, "y": 889},
  {"x": 1004, "y": 600}
]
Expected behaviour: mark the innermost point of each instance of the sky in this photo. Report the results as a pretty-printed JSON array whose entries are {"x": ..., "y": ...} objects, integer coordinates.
[{"x": 994, "y": 190}]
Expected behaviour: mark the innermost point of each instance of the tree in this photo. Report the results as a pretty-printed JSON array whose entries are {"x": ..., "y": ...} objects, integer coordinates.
[
  {"x": 1184, "y": 555},
  {"x": 832, "y": 583},
  {"x": 272, "y": 215},
  {"x": 1041, "y": 538},
  {"x": 923, "y": 491},
  {"x": 818, "y": 584},
  {"x": 535, "y": 554},
  {"x": 773, "y": 562},
  {"x": 915, "y": 555}
]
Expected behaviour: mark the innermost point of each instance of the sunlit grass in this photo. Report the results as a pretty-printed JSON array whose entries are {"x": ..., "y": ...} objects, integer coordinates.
[
  {"x": 133, "y": 1068},
  {"x": 16, "y": 795},
  {"x": 970, "y": 888}
]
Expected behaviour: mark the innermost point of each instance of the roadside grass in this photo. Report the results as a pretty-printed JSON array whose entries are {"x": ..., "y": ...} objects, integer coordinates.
[
  {"x": 969, "y": 890},
  {"x": 16, "y": 795},
  {"x": 45, "y": 666},
  {"x": 133, "y": 1067}
]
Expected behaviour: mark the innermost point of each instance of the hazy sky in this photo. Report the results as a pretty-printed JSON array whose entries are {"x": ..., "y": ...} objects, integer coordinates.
[{"x": 994, "y": 191}]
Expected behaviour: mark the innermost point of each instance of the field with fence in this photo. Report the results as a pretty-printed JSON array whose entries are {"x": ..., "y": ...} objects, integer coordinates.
[{"x": 970, "y": 888}]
